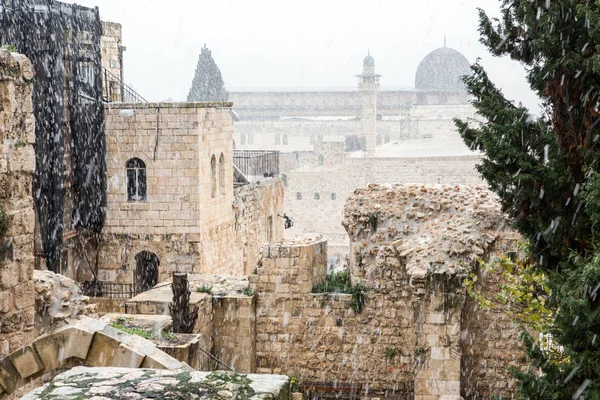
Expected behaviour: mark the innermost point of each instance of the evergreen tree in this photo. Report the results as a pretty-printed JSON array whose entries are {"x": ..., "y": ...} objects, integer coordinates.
[
  {"x": 208, "y": 83},
  {"x": 544, "y": 171}
]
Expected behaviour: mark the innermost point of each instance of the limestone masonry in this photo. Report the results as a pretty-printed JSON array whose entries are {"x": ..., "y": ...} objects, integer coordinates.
[{"x": 17, "y": 164}]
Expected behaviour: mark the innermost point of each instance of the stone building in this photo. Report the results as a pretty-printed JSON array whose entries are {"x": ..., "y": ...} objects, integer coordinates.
[
  {"x": 334, "y": 141},
  {"x": 171, "y": 204}
]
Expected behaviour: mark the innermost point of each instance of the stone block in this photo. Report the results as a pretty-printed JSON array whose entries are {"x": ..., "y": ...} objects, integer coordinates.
[
  {"x": 127, "y": 357},
  {"x": 10, "y": 379},
  {"x": 77, "y": 342},
  {"x": 160, "y": 360},
  {"x": 102, "y": 351},
  {"x": 440, "y": 353},
  {"x": 26, "y": 361}
]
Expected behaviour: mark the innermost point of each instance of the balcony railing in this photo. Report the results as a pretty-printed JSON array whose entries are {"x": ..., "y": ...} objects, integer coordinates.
[
  {"x": 114, "y": 90},
  {"x": 257, "y": 164},
  {"x": 109, "y": 290}
]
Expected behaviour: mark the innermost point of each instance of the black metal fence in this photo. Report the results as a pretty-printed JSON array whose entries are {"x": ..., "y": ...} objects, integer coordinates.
[
  {"x": 114, "y": 90},
  {"x": 109, "y": 290},
  {"x": 257, "y": 163}
]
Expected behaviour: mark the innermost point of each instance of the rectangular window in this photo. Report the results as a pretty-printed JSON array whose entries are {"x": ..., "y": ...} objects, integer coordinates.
[
  {"x": 113, "y": 64},
  {"x": 333, "y": 196},
  {"x": 317, "y": 196},
  {"x": 298, "y": 196}
]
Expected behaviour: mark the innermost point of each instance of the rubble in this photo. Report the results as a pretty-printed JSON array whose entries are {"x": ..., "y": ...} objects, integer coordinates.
[{"x": 58, "y": 298}]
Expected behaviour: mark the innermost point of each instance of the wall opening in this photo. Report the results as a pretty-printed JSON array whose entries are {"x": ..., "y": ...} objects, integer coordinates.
[
  {"x": 269, "y": 228},
  {"x": 222, "y": 174},
  {"x": 146, "y": 271},
  {"x": 213, "y": 175}
]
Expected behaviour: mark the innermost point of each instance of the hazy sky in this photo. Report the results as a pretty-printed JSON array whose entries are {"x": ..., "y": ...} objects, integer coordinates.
[{"x": 308, "y": 43}]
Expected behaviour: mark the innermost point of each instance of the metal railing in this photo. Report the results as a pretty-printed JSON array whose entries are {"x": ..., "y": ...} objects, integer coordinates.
[
  {"x": 114, "y": 90},
  {"x": 109, "y": 290},
  {"x": 256, "y": 164}
]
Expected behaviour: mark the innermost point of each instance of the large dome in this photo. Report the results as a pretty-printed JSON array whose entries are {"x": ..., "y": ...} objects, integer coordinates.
[{"x": 441, "y": 70}]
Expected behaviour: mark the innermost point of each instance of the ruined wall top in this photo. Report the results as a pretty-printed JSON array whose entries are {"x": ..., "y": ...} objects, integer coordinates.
[
  {"x": 15, "y": 66},
  {"x": 433, "y": 229}
]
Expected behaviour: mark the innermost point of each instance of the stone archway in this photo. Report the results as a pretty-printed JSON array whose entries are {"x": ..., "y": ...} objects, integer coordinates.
[
  {"x": 146, "y": 271},
  {"x": 90, "y": 342}
]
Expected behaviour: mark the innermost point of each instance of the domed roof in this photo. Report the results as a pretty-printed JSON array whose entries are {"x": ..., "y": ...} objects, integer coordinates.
[
  {"x": 369, "y": 61},
  {"x": 441, "y": 70}
]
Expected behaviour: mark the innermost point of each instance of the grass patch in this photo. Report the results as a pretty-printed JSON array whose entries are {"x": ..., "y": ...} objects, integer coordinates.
[
  {"x": 249, "y": 292},
  {"x": 132, "y": 330},
  {"x": 339, "y": 282},
  {"x": 204, "y": 289},
  {"x": 121, "y": 324}
]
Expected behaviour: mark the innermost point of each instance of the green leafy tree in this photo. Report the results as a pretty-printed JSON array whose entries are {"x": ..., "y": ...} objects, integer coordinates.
[
  {"x": 544, "y": 170},
  {"x": 207, "y": 84}
]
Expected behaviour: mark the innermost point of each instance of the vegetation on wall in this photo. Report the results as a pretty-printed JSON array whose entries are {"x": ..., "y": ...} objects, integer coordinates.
[
  {"x": 3, "y": 222},
  {"x": 8, "y": 47},
  {"x": 340, "y": 282},
  {"x": 521, "y": 292}
]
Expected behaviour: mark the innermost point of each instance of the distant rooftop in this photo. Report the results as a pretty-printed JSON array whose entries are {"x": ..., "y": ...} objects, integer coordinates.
[
  {"x": 314, "y": 89},
  {"x": 442, "y": 146}
]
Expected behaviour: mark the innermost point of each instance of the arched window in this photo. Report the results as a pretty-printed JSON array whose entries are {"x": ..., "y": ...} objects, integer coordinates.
[
  {"x": 378, "y": 143},
  {"x": 250, "y": 138},
  {"x": 277, "y": 139},
  {"x": 321, "y": 160},
  {"x": 222, "y": 173},
  {"x": 243, "y": 139},
  {"x": 285, "y": 139},
  {"x": 386, "y": 139},
  {"x": 136, "y": 180},
  {"x": 213, "y": 175}
]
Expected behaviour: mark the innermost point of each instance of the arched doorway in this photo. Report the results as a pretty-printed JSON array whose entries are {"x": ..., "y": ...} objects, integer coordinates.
[{"x": 146, "y": 271}]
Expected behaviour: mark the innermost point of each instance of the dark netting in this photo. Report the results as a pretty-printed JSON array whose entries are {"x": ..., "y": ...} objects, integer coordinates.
[{"x": 63, "y": 43}]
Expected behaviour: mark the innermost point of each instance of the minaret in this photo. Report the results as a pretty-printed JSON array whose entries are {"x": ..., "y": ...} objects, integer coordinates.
[{"x": 368, "y": 87}]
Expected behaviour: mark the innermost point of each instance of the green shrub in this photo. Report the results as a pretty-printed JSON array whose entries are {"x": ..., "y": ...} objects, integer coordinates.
[{"x": 339, "y": 282}]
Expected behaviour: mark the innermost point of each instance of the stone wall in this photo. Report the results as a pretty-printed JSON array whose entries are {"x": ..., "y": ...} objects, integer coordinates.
[
  {"x": 17, "y": 164},
  {"x": 490, "y": 341},
  {"x": 417, "y": 334},
  {"x": 319, "y": 338},
  {"x": 110, "y": 45},
  {"x": 234, "y": 331},
  {"x": 257, "y": 208}
]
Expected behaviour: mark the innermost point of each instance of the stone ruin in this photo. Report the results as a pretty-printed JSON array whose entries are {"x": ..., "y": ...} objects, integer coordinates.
[{"x": 417, "y": 335}]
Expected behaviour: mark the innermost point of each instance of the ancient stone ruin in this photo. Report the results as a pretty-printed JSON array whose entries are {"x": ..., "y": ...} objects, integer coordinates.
[{"x": 397, "y": 323}]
